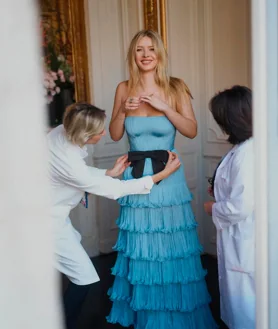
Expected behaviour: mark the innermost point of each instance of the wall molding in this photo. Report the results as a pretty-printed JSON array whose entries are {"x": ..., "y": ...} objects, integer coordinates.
[
  {"x": 214, "y": 133},
  {"x": 155, "y": 17},
  {"x": 125, "y": 30}
]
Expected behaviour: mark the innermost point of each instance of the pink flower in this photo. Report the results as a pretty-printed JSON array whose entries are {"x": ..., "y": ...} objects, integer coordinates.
[
  {"x": 60, "y": 72},
  {"x": 57, "y": 89},
  {"x": 62, "y": 78},
  {"x": 61, "y": 58},
  {"x": 54, "y": 75},
  {"x": 52, "y": 84},
  {"x": 46, "y": 83},
  {"x": 47, "y": 76},
  {"x": 49, "y": 99},
  {"x": 72, "y": 78}
]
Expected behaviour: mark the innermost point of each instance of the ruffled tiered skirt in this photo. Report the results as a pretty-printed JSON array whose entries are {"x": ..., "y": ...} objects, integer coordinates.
[{"x": 159, "y": 279}]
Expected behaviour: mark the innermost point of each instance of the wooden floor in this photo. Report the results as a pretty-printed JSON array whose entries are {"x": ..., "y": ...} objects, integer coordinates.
[{"x": 97, "y": 305}]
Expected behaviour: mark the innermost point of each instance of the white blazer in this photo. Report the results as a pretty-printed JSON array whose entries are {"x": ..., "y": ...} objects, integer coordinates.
[
  {"x": 233, "y": 216},
  {"x": 70, "y": 178}
]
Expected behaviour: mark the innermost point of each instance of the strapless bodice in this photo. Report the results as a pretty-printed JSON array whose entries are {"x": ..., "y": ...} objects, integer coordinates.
[{"x": 150, "y": 133}]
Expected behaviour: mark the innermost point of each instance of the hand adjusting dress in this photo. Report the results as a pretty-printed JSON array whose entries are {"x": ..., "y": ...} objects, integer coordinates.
[{"x": 159, "y": 280}]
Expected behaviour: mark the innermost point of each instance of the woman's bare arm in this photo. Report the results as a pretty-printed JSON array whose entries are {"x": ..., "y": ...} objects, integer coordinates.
[{"x": 117, "y": 127}]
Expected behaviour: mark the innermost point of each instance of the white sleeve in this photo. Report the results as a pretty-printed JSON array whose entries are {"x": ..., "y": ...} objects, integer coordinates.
[
  {"x": 97, "y": 172},
  {"x": 239, "y": 204},
  {"x": 89, "y": 180}
]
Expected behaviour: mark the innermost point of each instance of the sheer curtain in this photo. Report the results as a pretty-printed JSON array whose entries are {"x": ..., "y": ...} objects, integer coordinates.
[{"x": 28, "y": 284}]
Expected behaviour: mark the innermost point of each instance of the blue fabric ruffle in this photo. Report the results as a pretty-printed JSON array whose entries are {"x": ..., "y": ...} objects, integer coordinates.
[
  {"x": 183, "y": 270},
  {"x": 158, "y": 246},
  {"x": 162, "y": 195},
  {"x": 159, "y": 279},
  {"x": 170, "y": 297},
  {"x": 164, "y": 219},
  {"x": 200, "y": 318}
]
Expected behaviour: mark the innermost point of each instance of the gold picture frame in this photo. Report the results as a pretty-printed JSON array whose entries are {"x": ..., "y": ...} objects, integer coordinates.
[
  {"x": 155, "y": 17},
  {"x": 68, "y": 18}
]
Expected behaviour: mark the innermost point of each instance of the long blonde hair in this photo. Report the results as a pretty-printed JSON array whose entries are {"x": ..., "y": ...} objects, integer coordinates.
[{"x": 172, "y": 87}]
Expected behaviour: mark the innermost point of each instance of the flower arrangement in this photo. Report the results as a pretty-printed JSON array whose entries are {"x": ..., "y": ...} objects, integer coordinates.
[
  {"x": 55, "y": 80},
  {"x": 58, "y": 73}
]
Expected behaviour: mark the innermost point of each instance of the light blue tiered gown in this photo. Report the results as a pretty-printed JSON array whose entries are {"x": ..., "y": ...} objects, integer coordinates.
[{"x": 159, "y": 280}]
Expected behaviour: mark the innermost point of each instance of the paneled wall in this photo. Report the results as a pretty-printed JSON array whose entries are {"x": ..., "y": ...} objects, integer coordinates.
[
  {"x": 182, "y": 29},
  {"x": 225, "y": 44},
  {"x": 110, "y": 27},
  {"x": 209, "y": 48}
]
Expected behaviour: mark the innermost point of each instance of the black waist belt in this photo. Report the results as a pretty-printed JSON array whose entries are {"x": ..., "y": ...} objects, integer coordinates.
[{"x": 159, "y": 159}]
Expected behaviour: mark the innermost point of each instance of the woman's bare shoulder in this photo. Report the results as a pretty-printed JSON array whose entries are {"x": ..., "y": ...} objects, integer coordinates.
[
  {"x": 122, "y": 89},
  {"x": 122, "y": 86}
]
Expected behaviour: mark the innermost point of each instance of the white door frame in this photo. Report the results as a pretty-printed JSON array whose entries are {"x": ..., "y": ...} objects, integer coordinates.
[{"x": 265, "y": 88}]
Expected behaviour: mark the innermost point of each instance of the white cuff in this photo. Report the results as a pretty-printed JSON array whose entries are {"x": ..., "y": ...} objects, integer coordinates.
[{"x": 148, "y": 182}]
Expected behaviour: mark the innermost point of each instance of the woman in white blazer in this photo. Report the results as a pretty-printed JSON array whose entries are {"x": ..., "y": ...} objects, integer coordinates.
[
  {"x": 233, "y": 209},
  {"x": 71, "y": 179}
]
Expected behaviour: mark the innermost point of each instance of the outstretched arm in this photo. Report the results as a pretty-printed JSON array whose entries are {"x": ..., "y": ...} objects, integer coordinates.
[{"x": 88, "y": 179}]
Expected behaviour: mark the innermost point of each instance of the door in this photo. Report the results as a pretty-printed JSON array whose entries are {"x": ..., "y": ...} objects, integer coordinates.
[{"x": 227, "y": 59}]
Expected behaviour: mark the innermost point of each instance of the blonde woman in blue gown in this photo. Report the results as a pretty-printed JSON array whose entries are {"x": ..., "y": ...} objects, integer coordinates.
[{"x": 159, "y": 279}]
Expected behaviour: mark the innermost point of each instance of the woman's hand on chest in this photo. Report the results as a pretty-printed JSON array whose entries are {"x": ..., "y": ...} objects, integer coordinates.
[{"x": 155, "y": 101}]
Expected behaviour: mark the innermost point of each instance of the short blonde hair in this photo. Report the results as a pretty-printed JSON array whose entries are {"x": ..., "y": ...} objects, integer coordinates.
[{"x": 82, "y": 121}]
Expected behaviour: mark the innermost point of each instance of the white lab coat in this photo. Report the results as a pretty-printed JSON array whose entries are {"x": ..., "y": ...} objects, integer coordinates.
[
  {"x": 70, "y": 177},
  {"x": 233, "y": 216}
]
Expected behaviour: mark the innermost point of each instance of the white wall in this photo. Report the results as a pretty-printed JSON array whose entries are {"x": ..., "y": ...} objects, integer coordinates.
[
  {"x": 29, "y": 284},
  {"x": 209, "y": 47},
  {"x": 110, "y": 26},
  {"x": 183, "y": 18},
  {"x": 225, "y": 55},
  {"x": 265, "y": 101}
]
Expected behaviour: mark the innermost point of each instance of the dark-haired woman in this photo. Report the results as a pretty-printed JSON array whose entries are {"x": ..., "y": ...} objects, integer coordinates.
[{"x": 233, "y": 209}]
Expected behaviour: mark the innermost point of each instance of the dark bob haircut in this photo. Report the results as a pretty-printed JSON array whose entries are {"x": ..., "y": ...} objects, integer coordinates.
[{"x": 232, "y": 110}]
